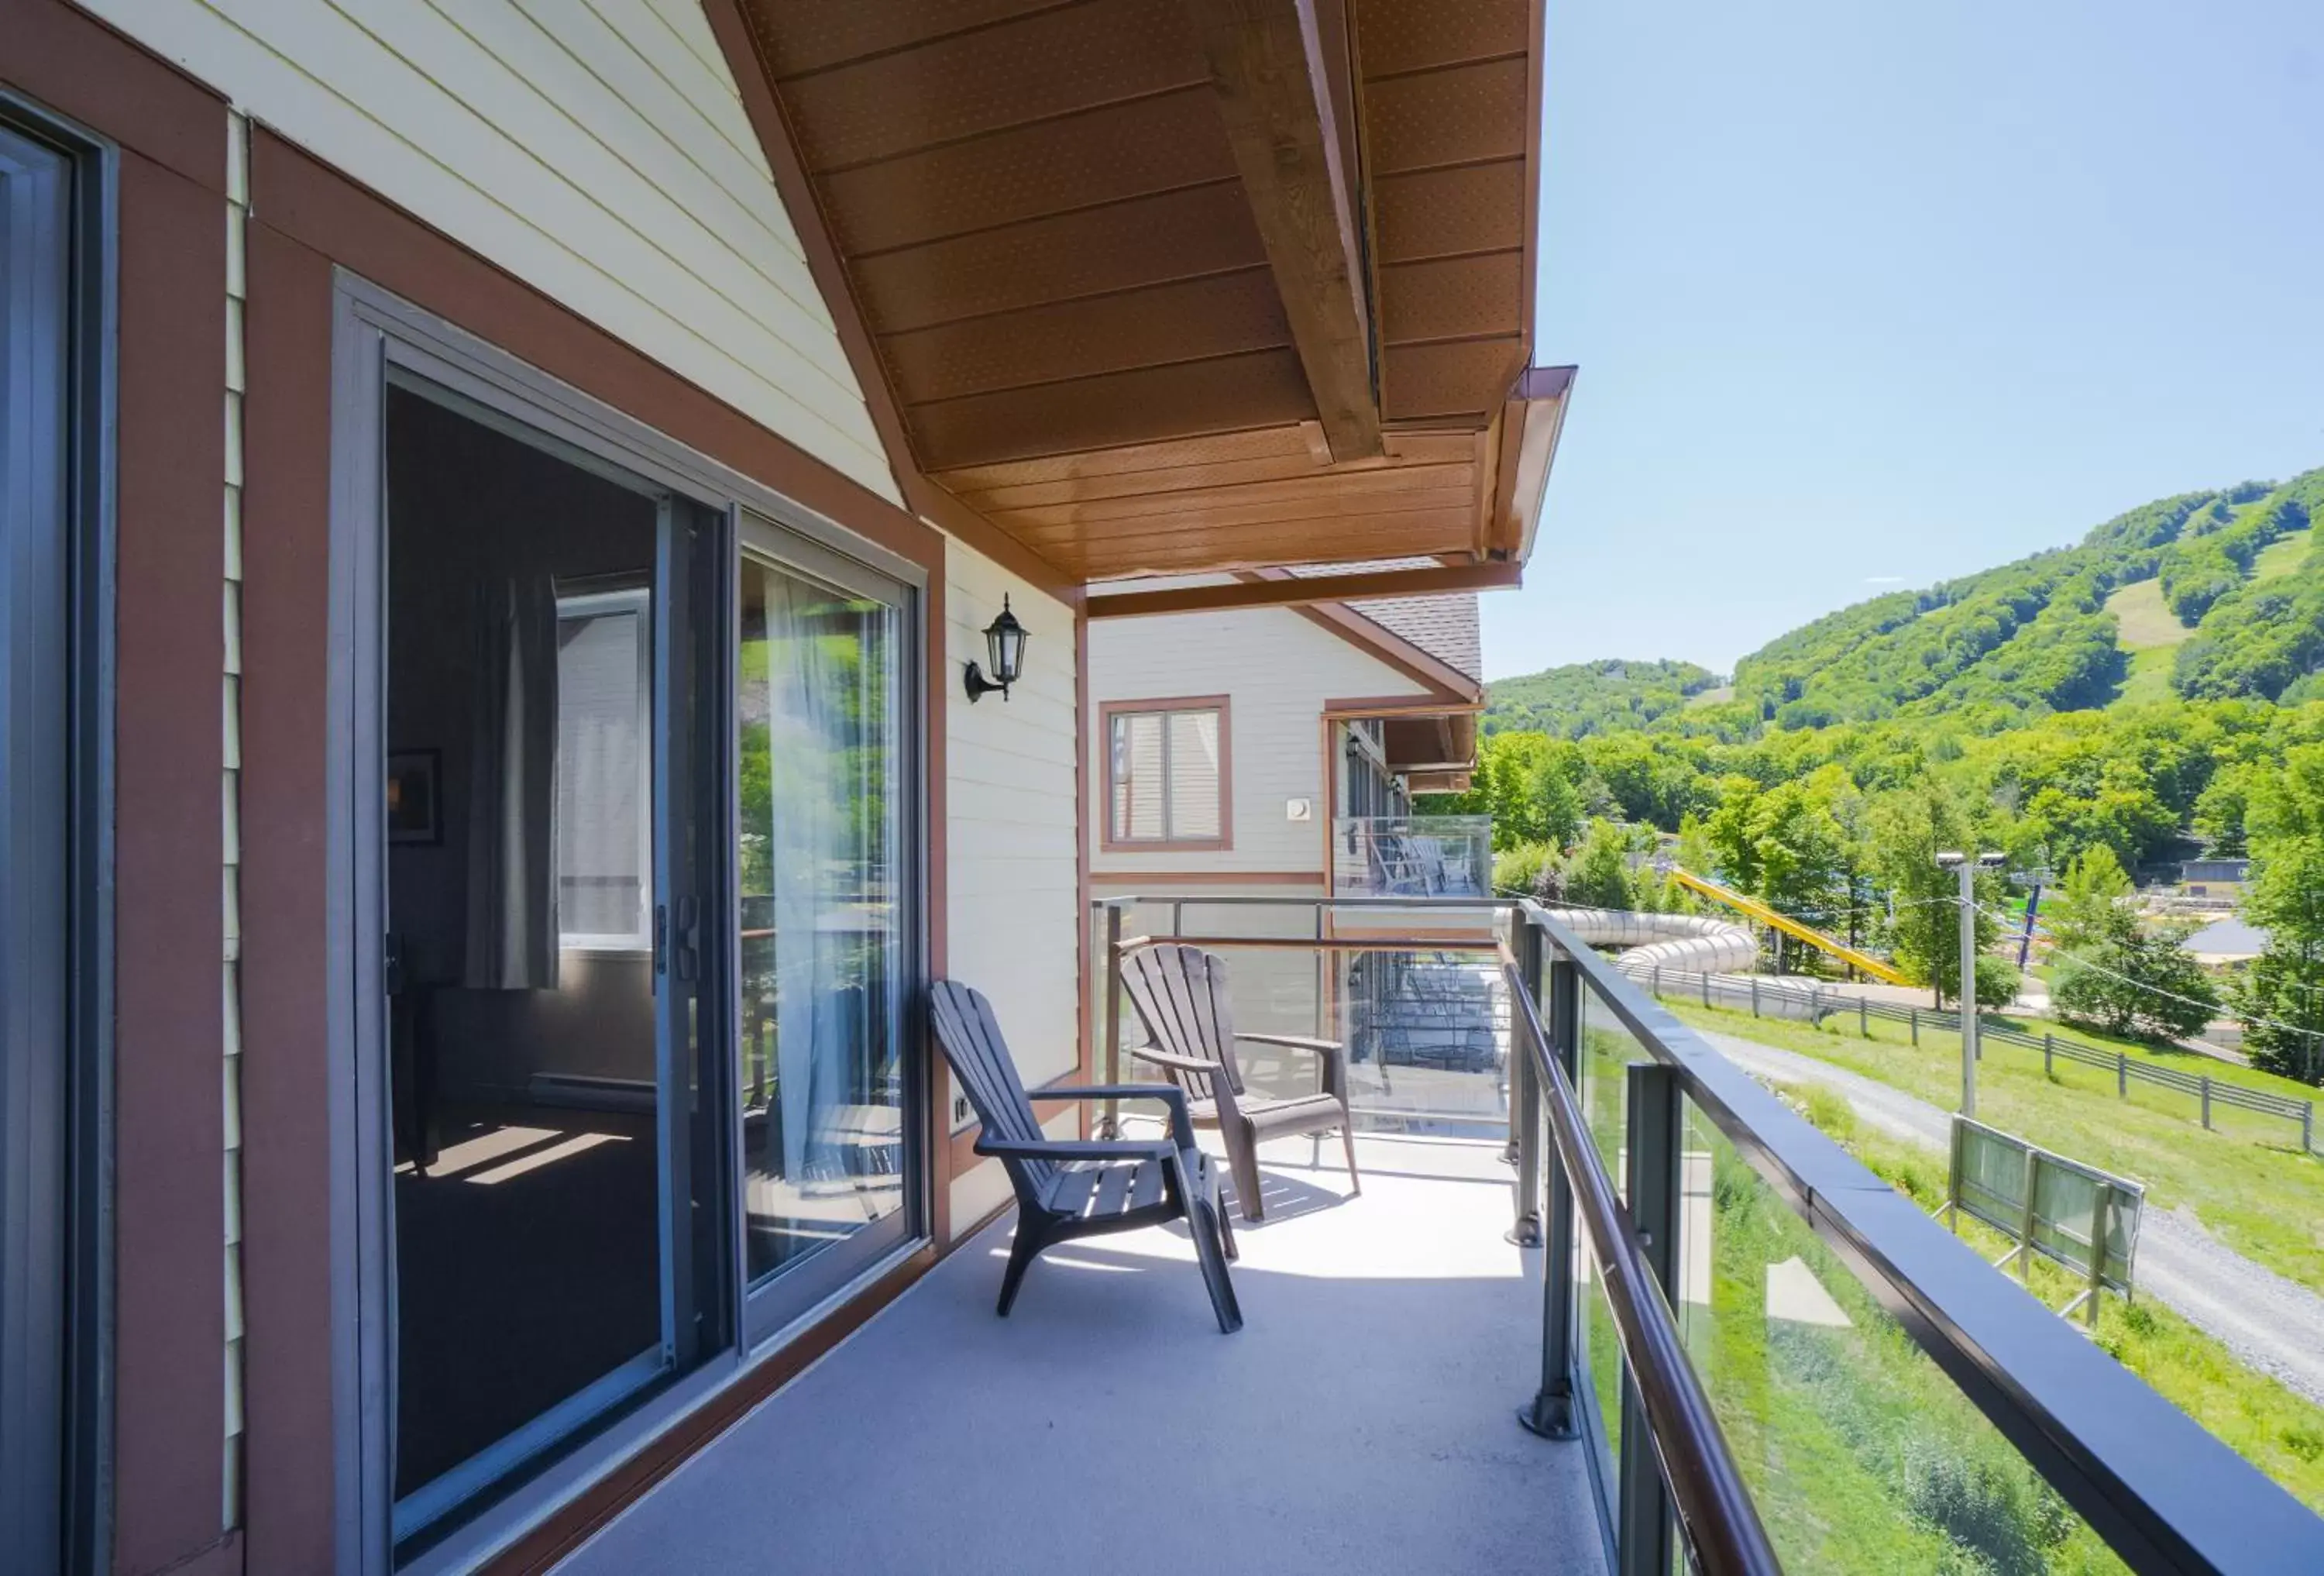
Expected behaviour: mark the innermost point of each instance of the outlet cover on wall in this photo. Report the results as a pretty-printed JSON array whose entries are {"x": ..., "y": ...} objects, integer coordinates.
[{"x": 1298, "y": 810}]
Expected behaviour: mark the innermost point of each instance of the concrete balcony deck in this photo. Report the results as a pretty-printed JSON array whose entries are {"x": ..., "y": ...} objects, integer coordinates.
[{"x": 1362, "y": 1420}]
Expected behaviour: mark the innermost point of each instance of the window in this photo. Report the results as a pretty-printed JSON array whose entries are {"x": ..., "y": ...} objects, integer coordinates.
[
  {"x": 1167, "y": 777},
  {"x": 604, "y": 697}
]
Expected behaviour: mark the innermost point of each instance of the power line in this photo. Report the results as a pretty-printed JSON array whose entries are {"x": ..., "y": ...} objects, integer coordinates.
[{"x": 2080, "y": 961}]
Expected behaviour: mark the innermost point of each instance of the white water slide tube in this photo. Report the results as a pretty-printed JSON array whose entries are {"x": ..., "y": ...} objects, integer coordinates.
[{"x": 1692, "y": 941}]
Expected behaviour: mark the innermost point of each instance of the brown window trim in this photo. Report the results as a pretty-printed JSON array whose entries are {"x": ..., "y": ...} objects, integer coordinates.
[{"x": 1224, "y": 842}]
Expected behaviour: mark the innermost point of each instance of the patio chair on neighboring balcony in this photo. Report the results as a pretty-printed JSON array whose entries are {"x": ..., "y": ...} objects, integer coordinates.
[
  {"x": 1072, "y": 1187},
  {"x": 1181, "y": 996}
]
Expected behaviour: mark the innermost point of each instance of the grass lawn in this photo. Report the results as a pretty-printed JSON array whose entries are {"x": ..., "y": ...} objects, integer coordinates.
[
  {"x": 2270, "y": 1426},
  {"x": 2247, "y": 1181}
]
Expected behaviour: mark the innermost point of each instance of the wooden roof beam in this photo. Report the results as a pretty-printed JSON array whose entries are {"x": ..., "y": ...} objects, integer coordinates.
[
  {"x": 1269, "y": 65},
  {"x": 1303, "y": 591}
]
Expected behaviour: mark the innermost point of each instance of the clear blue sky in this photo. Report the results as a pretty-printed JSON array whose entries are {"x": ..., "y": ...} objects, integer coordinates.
[{"x": 1867, "y": 293}]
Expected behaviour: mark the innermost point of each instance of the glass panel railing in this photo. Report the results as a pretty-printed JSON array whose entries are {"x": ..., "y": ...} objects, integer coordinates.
[
  {"x": 1411, "y": 856},
  {"x": 1861, "y": 1453},
  {"x": 1864, "y": 1390}
]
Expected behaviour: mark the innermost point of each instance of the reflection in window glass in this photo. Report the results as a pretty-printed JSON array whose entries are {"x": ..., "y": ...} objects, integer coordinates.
[
  {"x": 818, "y": 682},
  {"x": 603, "y": 699}
]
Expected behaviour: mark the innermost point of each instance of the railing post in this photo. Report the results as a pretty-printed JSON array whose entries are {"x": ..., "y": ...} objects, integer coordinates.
[
  {"x": 2206, "y": 1099},
  {"x": 1755, "y": 995},
  {"x": 1525, "y": 1098},
  {"x": 2048, "y": 1053},
  {"x": 1705, "y": 978},
  {"x": 1863, "y": 1015},
  {"x": 1645, "y": 1525},
  {"x": 1550, "y": 1411},
  {"x": 1916, "y": 1027},
  {"x": 2307, "y": 1126},
  {"x": 1114, "y": 1014},
  {"x": 2122, "y": 1075}
]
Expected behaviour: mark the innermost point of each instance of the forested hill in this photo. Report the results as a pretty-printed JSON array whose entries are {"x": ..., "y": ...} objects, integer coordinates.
[
  {"x": 2207, "y": 596},
  {"x": 1597, "y": 697}
]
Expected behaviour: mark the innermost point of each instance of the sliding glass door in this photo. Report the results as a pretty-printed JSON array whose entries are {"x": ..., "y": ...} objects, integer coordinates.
[
  {"x": 543, "y": 933},
  {"x": 822, "y": 795},
  {"x": 632, "y": 843}
]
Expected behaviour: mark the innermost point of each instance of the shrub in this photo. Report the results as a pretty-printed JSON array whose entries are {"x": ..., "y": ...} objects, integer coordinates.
[{"x": 1519, "y": 868}]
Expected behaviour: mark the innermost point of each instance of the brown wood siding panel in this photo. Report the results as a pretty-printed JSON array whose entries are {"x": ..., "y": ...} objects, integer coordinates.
[
  {"x": 1394, "y": 36},
  {"x": 1452, "y": 297},
  {"x": 1458, "y": 117},
  {"x": 1204, "y": 230},
  {"x": 1465, "y": 379},
  {"x": 1304, "y": 497},
  {"x": 1266, "y": 389},
  {"x": 820, "y": 34},
  {"x": 1188, "y": 320},
  {"x": 170, "y": 936},
  {"x": 1441, "y": 213},
  {"x": 1050, "y": 63},
  {"x": 77, "y": 65},
  {"x": 291, "y": 1492},
  {"x": 1108, "y": 154}
]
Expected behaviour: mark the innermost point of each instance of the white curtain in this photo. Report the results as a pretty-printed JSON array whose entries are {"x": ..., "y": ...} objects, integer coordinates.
[
  {"x": 807, "y": 734},
  {"x": 511, "y": 827}
]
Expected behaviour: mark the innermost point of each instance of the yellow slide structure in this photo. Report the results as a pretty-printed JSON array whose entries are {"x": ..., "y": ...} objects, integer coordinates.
[{"x": 1753, "y": 908}]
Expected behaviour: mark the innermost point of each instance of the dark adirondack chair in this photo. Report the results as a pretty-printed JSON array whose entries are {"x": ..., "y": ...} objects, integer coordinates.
[
  {"x": 1181, "y": 996},
  {"x": 1072, "y": 1187}
]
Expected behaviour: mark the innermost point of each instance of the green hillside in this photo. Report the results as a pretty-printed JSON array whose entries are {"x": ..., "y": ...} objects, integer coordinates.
[
  {"x": 1597, "y": 698},
  {"x": 2206, "y": 595}
]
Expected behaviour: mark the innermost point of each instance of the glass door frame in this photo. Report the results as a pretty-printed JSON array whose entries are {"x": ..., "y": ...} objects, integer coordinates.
[
  {"x": 56, "y": 1241},
  {"x": 373, "y": 331},
  {"x": 795, "y": 1295}
]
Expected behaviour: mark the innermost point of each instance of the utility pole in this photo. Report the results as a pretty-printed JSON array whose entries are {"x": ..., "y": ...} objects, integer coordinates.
[{"x": 1965, "y": 996}]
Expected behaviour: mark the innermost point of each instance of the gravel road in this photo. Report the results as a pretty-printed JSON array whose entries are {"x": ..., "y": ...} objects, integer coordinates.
[{"x": 2272, "y": 1325}]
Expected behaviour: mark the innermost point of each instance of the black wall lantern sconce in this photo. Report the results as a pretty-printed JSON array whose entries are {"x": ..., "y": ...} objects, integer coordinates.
[{"x": 1004, "y": 648}]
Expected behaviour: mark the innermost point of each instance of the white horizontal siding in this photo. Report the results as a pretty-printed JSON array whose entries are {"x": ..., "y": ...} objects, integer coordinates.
[
  {"x": 1010, "y": 830},
  {"x": 599, "y": 152},
  {"x": 984, "y": 1187},
  {"x": 1278, "y": 669}
]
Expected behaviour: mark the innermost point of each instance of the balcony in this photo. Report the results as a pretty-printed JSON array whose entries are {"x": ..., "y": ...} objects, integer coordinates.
[
  {"x": 1360, "y": 1421},
  {"x": 1734, "y": 1350},
  {"x": 1411, "y": 856}
]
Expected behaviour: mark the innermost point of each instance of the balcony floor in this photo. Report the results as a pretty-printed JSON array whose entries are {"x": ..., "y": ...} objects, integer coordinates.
[{"x": 1363, "y": 1419}]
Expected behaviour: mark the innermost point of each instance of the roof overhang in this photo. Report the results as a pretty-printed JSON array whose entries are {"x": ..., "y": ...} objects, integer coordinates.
[{"x": 1165, "y": 287}]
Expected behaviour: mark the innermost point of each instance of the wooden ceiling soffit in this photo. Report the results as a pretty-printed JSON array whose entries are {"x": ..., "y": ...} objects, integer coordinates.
[
  {"x": 742, "y": 45},
  {"x": 1303, "y": 591},
  {"x": 1531, "y": 421},
  {"x": 1276, "y": 92}
]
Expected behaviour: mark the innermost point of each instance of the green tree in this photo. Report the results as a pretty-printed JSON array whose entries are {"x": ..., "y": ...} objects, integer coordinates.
[
  {"x": 2281, "y": 997},
  {"x": 1597, "y": 874},
  {"x": 2080, "y": 917},
  {"x": 1908, "y": 829},
  {"x": 2128, "y": 979}
]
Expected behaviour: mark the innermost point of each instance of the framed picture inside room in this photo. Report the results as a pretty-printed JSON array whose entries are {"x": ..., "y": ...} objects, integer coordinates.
[{"x": 414, "y": 803}]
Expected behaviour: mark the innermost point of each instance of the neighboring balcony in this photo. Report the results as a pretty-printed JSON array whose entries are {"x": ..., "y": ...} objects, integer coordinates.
[
  {"x": 1411, "y": 856},
  {"x": 1602, "y": 1303}
]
